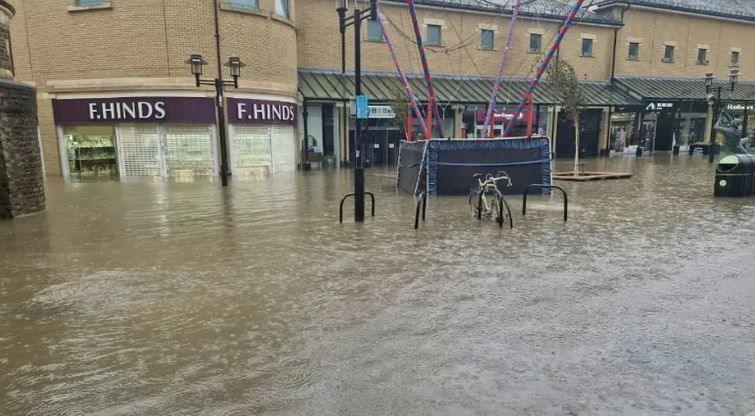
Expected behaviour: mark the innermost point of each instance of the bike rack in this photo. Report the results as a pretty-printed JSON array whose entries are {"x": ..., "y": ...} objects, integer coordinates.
[
  {"x": 421, "y": 201},
  {"x": 340, "y": 209},
  {"x": 538, "y": 186}
]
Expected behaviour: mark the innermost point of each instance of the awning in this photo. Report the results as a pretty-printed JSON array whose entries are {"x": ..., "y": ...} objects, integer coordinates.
[
  {"x": 327, "y": 86},
  {"x": 681, "y": 89}
]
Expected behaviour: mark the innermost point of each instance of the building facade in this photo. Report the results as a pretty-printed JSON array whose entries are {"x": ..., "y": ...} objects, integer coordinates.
[{"x": 122, "y": 102}]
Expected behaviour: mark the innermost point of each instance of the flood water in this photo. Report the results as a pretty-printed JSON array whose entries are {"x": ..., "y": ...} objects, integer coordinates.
[{"x": 186, "y": 299}]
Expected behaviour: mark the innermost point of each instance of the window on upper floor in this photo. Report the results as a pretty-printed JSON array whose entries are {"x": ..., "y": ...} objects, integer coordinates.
[
  {"x": 374, "y": 33},
  {"x": 244, "y": 4},
  {"x": 536, "y": 43},
  {"x": 634, "y": 51},
  {"x": 84, "y": 3},
  {"x": 668, "y": 53},
  {"x": 487, "y": 39},
  {"x": 734, "y": 60},
  {"x": 434, "y": 36},
  {"x": 281, "y": 8},
  {"x": 702, "y": 56},
  {"x": 587, "y": 47}
]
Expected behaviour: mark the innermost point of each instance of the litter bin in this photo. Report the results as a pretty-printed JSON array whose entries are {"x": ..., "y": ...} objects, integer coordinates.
[{"x": 735, "y": 176}]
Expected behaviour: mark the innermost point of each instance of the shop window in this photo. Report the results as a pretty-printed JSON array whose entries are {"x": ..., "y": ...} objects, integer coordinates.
[
  {"x": 734, "y": 61},
  {"x": 281, "y": 8},
  {"x": 244, "y": 4},
  {"x": 487, "y": 38},
  {"x": 536, "y": 42},
  {"x": 587, "y": 47},
  {"x": 634, "y": 51},
  {"x": 702, "y": 56},
  {"x": 434, "y": 37},
  {"x": 90, "y": 151},
  {"x": 668, "y": 54},
  {"x": 374, "y": 33}
]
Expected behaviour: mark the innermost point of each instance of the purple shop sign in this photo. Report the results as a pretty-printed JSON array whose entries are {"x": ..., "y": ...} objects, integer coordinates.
[
  {"x": 247, "y": 111},
  {"x": 134, "y": 110}
]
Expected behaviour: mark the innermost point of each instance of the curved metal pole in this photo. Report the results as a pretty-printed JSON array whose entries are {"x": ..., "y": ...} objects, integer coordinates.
[
  {"x": 538, "y": 186},
  {"x": 407, "y": 87},
  {"x": 501, "y": 69},
  {"x": 432, "y": 104},
  {"x": 548, "y": 57}
]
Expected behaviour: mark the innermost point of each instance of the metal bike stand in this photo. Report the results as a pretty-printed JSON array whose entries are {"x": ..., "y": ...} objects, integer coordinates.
[
  {"x": 340, "y": 209},
  {"x": 421, "y": 201},
  {"x": 538, "y": 186}
]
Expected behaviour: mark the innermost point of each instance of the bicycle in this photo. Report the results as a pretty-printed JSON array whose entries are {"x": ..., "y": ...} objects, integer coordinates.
[{"x": 485, "y": 198}]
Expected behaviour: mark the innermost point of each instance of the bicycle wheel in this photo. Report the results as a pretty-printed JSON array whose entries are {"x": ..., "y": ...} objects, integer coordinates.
[
  {"x": 505, "y": 216},
  {"x": 474, "y": 201}
]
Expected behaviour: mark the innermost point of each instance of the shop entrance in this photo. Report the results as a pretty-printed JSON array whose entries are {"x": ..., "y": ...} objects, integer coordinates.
[{"x": 589, "y": 137}]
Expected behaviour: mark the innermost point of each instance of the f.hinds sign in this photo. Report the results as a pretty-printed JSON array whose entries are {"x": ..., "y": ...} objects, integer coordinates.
[
  {"x": 244, "y": 111},
  {"x": 134, "y": 110}
]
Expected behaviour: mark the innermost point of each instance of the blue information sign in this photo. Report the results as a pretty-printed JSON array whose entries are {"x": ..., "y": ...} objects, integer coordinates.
[{"x": 363, "y": 107}]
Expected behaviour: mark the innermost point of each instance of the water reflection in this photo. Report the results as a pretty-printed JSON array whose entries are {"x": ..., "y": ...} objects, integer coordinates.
[{"x": 185, "y": 298}]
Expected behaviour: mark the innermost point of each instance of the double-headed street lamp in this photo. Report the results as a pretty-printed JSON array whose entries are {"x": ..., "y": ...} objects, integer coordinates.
[
  {"x": 715, "y": 101},
  {"x": 234, "y": 63},
  {"x": 344, "y": 22}
]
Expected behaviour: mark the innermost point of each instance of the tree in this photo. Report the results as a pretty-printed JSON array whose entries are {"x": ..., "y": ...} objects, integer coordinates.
[
  {"x": 400, "y": 105},
  {"x": 563, "y": 84}
]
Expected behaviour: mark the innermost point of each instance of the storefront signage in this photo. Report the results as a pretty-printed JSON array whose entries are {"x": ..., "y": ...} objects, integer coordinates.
[
  {"x": 381, "y": 111},
  {"x": 247, "y": 111},
  {"x": 740, "y": 107},
  {"x": 134, "y": 110},
  {"x": 501, "y": 117},
  {"x": 363, "y": 108},
  {"x": 659, "y": 106}
]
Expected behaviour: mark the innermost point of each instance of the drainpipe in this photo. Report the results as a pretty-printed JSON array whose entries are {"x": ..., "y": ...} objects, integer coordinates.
[{"x": 615, "y": 43}]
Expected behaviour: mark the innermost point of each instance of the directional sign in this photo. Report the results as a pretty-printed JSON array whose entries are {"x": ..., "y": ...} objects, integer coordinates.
[{"x": 363, "y": 107}]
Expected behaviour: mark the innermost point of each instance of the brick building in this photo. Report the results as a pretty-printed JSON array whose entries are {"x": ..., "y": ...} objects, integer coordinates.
[{"x": 95, "y": 65}]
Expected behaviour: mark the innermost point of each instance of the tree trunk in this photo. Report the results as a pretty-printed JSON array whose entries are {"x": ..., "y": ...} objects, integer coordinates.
[{"x": 576, "y": 146}]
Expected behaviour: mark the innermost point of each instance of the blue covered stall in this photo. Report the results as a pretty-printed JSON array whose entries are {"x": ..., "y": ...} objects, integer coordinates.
[{"x": 447, "y": 167}]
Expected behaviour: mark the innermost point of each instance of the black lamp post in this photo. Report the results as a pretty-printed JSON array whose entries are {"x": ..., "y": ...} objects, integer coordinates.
[
  {"x": 234, "y": 63},
  {"x": 344, "y": 22},
  {"x": 716, "y": 102}
]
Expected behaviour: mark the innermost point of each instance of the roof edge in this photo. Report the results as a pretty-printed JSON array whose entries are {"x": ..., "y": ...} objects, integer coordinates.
[
  {"x": 5, "y": 5},
  {"x": 673, "y": 8}
]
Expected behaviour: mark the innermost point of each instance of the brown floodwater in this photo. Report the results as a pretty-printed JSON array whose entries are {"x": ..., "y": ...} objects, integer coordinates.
[{"x": 186, "y": 299}]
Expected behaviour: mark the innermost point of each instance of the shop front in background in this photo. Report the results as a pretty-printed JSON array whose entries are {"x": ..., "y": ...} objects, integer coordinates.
[
  {"x": 262, "y": 138},
  {"x": 136, "y": 137}
]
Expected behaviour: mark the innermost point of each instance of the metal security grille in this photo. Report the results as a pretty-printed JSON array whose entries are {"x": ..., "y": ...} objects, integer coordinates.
[
  {"x": 139, "y": 148},
  {"x": 189, "y": 151},
  {"x": 283, "y": 148},
  {"x": 251, "y": 150}
]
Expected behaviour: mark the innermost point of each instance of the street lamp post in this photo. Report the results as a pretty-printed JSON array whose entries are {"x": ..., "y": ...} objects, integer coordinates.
[
  {"x": 344, "y": 22},
  {"x": 234, "y": 63},
  {"x": 716, "y": 102}
]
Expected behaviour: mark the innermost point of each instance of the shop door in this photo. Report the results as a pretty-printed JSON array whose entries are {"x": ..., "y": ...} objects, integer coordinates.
[
  {"x": 189, "y": 151},
  {"x": 589, "y": 137},
  {"x": 283, "y": 148},
  {"x": 251, "y": 153},
  {"x": 140, "y": 151},
  {"x": 664, "y": 132},
  {"x": 376, "y": 148}
]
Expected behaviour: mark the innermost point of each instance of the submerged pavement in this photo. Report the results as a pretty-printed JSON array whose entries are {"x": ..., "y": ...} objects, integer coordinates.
[{"x": 186, "y": 299}]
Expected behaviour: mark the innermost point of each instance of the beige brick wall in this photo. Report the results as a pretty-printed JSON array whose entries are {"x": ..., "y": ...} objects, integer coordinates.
[
  {"x": 655, "y": 29},
  {"x": 319, "y": 42},
  {"x": 147, "y": 40}
]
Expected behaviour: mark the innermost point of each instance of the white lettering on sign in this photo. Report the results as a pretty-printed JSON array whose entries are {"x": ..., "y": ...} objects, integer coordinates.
[
  {"x": 658, "y": 106},
  {"x": 740, "y": 107},
  {"x": 125, "y": 111},
  {"x": 266, "y": 112}
]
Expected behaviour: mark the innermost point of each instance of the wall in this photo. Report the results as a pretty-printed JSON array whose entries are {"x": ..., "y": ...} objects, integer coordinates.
[
  {"x": 319, "y": 41},
  {"x": 136, "y": 45},
  {"x": 655, "y": 29}
]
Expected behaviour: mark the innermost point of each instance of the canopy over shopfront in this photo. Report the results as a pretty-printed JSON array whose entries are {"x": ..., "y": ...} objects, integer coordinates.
[
  {"x": 332, "y": 86},
  {"x": 681, "y": 89}
]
